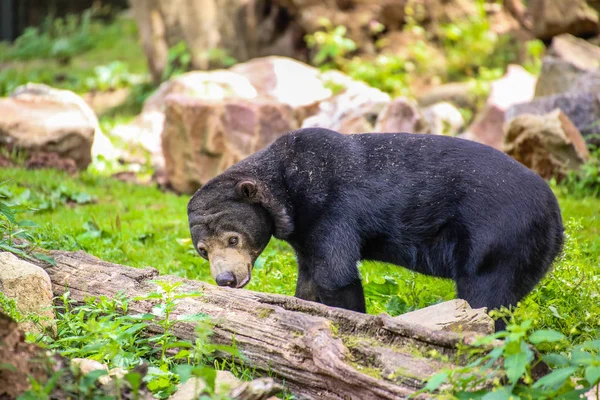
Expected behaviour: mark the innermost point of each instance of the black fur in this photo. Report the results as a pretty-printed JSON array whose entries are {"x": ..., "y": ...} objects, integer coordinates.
[{"x": 441, "y": 206}]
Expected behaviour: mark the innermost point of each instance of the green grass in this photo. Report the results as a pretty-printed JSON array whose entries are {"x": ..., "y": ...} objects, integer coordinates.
[
  {"x": 117, "y": 41},
  {"x": 142, "y": 226}
]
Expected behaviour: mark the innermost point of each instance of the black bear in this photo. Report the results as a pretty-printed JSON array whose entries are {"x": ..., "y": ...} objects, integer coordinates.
[{"x": 437, "y": 205}]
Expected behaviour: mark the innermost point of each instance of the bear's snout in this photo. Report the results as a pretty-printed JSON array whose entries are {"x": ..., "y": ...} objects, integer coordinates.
[{"x": 226, "y": 278}]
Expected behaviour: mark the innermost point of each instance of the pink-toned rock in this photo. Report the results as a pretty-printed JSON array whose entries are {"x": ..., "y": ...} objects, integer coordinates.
[
  {"x": 354, "y": 110},
  {"x": 146, "y": 129},
  {"x": 402, "y": 115},
  {"x": 549, "y": 144},
  {"x": 40, "y": 118},
  {"x": 202, "y": 138},
  {"x": 287, "y": 81},
  {"x": 517, "y": 86}
]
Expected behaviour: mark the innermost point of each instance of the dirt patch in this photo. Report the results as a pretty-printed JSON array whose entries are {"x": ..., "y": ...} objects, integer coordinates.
[{"x": 43, "y": 160}]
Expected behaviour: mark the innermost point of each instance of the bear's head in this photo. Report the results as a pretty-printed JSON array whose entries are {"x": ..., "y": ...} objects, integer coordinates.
[{"x": 230, "y": 227}]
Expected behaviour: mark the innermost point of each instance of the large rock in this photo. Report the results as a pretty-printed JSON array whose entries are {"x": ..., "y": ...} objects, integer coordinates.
[
  {"x": 30, "y": 286},
  {"x": 517, "y": 86},
  {"x": 568, "y": 60},
  {"x": 38, "y": 117},
  {"x": 550, "y": 144},
  {"x": 583, "y": 109},
  {"x": 202, "y": 138},
  {"x": 454, "y": 315},
  {"x": 354, "y": 110},
  {"x": 287, "y": 81},
  {"x": 145, "y": 131},
  {"x": 554, "y": 17},
  {"x": 402, "y": 115},
  {"x": 588, "y": 82},
  {"x": 101, "y": 146}
]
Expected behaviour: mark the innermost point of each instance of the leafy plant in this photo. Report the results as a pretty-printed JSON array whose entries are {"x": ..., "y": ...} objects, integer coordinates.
[
  {"x": 102, "y": 330},
  {"x": 586, "y": 180},
  {"x": 330, "y": 45},
  {"x": 58, "y": 38},
  {"x": 15, "y": 235},
  {"x": 179, "y": 60},
  {"x": 468, "y": 43},
  {"x": 535, "y": 50},
  {"x": 512, "y": 363},
  {"x": 112, "y": 76}
]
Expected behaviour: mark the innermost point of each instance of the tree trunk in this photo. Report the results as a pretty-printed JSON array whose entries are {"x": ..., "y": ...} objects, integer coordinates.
[{"x": 319, "y": 352}]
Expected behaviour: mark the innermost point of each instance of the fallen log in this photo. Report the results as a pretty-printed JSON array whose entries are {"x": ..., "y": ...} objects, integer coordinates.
[{"x": 319, "y": 352}]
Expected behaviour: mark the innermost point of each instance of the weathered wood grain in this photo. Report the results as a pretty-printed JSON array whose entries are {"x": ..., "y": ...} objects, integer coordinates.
[{"x": 319, "y": 352}]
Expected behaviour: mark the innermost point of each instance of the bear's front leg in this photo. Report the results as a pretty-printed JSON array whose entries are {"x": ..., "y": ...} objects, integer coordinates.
[
  {"x": 328, "y": 269},
  {"x": 305, "y": 287}
]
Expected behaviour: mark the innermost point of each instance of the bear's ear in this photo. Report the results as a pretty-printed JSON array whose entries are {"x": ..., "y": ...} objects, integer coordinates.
[{"x": 247, "y": 189}]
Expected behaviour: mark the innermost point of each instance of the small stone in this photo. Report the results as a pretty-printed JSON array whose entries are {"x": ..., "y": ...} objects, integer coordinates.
[
  {"x": 193, "y": 387},
  {"x": 453, "y": 315},
  {"x": 549, "y": 145},
  {"x": 354, "y": 110},
  {"x": 31, "y": 287},
  {"x": 86, "y": 365},
  {"x": 444, "y": 119},
  {"x": 402, "y": 115}
]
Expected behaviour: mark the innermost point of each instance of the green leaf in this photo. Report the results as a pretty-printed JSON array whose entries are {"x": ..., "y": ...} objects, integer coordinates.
[
  {"x": 516, "y": 365},
  {"x": 184, "y": 371},
  {"x": 503, "y": 393},
  {"x": 435, "y": 381},
  {"x": 182, "y": 354},
  {"x": 554, "y": 312},
  {"x": 556, "y": 360},
  {"x": 27, "y": 224},
  {"x": 546, "y": 335},
  {"x": 43, "y": 257},
  {"x": 592, "y": 374},
  {"x": 555, "y": 379},
  {"x": 580, "y": 357},
  {"x": 135, "y": 380},
  {"x": 81, "y": 198}
]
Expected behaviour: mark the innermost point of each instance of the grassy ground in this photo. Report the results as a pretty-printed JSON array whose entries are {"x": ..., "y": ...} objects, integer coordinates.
[
  {"x": 142, "y": 226},
  {"x": 116, "y": 43}
]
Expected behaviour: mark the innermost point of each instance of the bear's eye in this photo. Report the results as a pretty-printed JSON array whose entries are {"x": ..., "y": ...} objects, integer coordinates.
[
  {"x": 203, "y": 252},
  {"x": 233, "y": 241}
]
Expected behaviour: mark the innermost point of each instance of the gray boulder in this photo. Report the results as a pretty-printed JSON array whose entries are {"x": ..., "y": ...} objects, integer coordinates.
[
  {"x": 583, "y": 109},
  {"x": 569, "y": 60}
]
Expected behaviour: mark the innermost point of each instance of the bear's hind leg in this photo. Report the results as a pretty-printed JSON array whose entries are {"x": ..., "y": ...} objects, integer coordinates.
[{"x": 492, "y": 290}]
